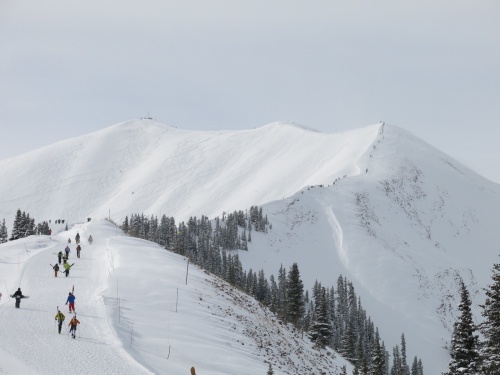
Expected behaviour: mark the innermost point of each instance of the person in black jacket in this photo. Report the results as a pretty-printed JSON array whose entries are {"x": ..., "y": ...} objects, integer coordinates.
[
  {"x": 18, "y": 295},
  {"x": 56, "y": 269}
]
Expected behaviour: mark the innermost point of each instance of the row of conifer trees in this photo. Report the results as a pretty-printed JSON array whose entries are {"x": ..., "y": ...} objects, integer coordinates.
[
  {"x": 331, "y": 317},
  {"x": 23, "y": 226},
  {"x": 472, "y": 354}
]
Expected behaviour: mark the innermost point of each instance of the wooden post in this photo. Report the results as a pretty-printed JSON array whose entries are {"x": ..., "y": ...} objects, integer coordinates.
[
  {"x": 193, "y": 371},
  {"x": 187, "y": 271},
  {"x": 177, "y": 300}
]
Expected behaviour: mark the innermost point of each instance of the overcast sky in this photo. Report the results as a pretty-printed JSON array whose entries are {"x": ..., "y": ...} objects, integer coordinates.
[{"x": 432, "y": 67}]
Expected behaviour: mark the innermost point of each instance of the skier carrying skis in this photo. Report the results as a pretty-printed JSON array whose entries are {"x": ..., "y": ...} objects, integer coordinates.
[
  {"x": 72, "y": 324},
  {"x": 67, "y": 266},
  {"x": 60, "y": 319},
  {"x": 71, "y": 300},
  {"x": 78, "y": 249},
  {"x": 59, "y": 256},
  {"x": 90, "y": 239},
  {"x": 18, "y": 295},
  {"x": 67, "y": 250},
  {"x": 77, "y": 238},
  {"x": 56, "y": 269}
]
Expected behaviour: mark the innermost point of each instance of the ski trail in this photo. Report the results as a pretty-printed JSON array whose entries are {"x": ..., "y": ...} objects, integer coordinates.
[{"x": 32, "y": 328}]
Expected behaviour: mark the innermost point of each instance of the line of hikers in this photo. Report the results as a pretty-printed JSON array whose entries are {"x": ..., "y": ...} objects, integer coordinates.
[
  {"x": 70, "y": 300},
  {"x": 63, "y": 257},
  {"x": 18, "y": 295},
  {"x": 77, "y": 239},
  {"x": 74, "y": 321}
]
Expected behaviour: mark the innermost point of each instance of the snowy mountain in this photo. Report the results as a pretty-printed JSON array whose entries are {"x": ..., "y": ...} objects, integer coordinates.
[{"x": 400, "y": 219}]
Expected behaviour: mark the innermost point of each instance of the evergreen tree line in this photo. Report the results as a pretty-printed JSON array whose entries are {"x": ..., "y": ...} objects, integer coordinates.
[
  {"x": 194, "y": 238},
  {"x": 23, "y": 226},
  {"x": 336, "y": 318},
  {"x": 333, "y": 318},
  {"x": 471, "y": 353}
]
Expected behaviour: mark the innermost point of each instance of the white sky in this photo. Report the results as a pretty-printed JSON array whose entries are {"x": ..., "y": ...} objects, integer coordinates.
[{"x": 68, "y": 68}]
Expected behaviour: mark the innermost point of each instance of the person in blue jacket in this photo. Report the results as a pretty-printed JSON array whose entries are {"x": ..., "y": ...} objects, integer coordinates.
[{"x": 71, "y": 300}]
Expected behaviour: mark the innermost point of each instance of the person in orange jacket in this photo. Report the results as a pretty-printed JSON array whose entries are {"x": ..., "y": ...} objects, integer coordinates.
[{"x": 72, "y": 326}]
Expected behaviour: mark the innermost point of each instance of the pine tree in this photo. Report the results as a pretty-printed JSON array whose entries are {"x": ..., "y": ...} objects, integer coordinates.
[
  {"x": 490, "y": 328},
  {"x": 378, "y": 359},
  {"x": 295, "y": 295},
  {"x": 464, "y": 344},
  {"x": 262, "y": 287},
  {"x": 3, "y": 232},
  {"x": 414, "y": 367},
  {"x": 270, "y": 370},
  {"x": 348, "y": 342},
  {"x": 405, "y": 369},
  {"x": 420, "y": 367},
  {"x": 273, "y": 294},
  {"x": 282, "y": 302},
  {"x": 16, "y": 227},
  {"x": 125, "y": 226},
  {"x": 42, "y": 228},
  {"x": 396, "y": 362},
  {"x": 321, "y": 330}
]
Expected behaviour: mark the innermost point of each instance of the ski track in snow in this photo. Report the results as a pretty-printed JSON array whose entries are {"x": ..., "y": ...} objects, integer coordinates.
[{"x": 35, "y": 341}]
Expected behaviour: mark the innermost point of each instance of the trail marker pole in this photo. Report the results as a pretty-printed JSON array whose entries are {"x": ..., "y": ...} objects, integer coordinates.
[{"x": 131, "y": 334}]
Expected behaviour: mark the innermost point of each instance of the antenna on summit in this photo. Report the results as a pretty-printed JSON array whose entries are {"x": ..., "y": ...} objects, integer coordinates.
[{"x": 148, "y": 118}]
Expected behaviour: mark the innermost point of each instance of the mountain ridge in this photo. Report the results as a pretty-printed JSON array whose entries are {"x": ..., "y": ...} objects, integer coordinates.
[
  {"x": 146, "y": 150},
  {"x": 378, "y": 205}
]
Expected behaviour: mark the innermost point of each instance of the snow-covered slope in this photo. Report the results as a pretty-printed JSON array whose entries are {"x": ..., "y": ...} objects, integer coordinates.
[
  {"x": 405, "y": 231},
  {"x": 143, "y": 166},
  {"x": 400, "y": 219},
  {"x": 139, "y": 314}
]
